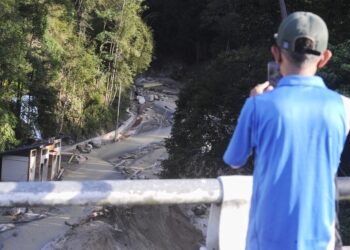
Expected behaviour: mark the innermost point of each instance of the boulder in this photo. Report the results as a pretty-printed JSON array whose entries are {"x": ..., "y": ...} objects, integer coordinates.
[
  {"x": 88, "y": 147},
  {"x": 15, "y": 211},
  {"x": 140, "y": 99},
  {"x": 84, "y": 148},
  {"x": 199, "y": 210},
  {"x": 150, "y": 98},
  {"x": 28, "y": 217},
  {"x": 5, "y": 227},
  {"x": 96, "y": 143},
  {"x": 80, "y": 148},
  {"x": 140, "y": 81},
  {"x": 80, "y": 159}
]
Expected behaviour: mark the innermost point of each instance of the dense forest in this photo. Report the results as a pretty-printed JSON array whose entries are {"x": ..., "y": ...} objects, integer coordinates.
[{"x": 64, "y": 65}]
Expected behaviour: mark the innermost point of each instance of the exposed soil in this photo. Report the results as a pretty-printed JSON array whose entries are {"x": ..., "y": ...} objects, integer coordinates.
[
  {"x": 137, "y": 156},
  {"x": 146, "y": 227}
]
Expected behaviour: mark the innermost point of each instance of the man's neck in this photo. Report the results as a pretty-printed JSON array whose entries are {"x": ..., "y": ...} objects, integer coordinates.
[
  {"x": 303, "y": 71},
  {"x": 289, "y": 69}
]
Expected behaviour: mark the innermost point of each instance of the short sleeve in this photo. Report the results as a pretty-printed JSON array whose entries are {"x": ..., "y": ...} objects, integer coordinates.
[{"x": 242, "y": 141}]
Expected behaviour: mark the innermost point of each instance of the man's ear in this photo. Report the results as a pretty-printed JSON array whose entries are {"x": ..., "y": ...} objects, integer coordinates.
[
  {"x": 275, "y": 53},
  {"x": 325, "y": 57}
]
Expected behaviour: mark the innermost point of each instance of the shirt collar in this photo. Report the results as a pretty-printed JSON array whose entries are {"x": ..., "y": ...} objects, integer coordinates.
[{"x": 295, "y": 80}]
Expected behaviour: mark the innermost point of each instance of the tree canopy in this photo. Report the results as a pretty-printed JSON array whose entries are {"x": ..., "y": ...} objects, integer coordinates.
[{"x": 71, "y": 58}]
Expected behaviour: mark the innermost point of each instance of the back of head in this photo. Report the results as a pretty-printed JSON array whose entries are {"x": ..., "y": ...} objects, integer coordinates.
[{"x": 303, "y": 36}]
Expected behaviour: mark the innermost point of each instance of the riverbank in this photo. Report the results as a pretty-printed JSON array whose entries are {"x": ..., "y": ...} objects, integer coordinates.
[{"x": 137, "y": 155}]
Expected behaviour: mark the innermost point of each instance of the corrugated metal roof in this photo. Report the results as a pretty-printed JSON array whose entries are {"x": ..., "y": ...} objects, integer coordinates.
[{"x": 24, "y": 150}]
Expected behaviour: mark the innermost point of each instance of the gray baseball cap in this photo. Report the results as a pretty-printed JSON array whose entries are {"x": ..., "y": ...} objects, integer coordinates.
[{"x": 303, "y": 25}]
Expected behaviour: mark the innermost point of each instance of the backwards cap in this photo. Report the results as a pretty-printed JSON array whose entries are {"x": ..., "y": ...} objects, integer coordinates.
[{"x": 303, "y": 25}]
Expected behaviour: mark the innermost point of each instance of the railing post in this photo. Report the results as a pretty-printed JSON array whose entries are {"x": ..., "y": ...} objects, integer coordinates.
[{"x": 228, "y": 221}]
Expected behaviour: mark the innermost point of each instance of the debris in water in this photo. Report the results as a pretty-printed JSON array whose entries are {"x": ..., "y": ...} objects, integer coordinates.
[{"x": 5, "y": 227}]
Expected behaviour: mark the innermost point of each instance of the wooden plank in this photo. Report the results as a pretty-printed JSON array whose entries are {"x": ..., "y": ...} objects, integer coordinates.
[{"x": 67, "y": 153}]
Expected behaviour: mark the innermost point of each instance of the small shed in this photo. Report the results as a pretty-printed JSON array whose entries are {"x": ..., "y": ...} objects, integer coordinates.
[
  {"x": 18, "y": 164},
  {"x": 37, "y": 162}
]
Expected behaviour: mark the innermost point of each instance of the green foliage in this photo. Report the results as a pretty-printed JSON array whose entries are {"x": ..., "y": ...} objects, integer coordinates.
[
  {"x": 125, "y": 43},
  {"x": 71, "y": 57},
  {"x": 200, "y": 30},
  {"x": 13, "y": 48},
  {"x": 7, "y": 133},
  {"x": 208, "y": 106},
  {"x": 22, "y": 22},
  {"x": 337, "y": 72}
]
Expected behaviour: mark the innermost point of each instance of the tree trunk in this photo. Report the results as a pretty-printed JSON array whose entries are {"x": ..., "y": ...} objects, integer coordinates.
[{"x": 118, "y": 112}]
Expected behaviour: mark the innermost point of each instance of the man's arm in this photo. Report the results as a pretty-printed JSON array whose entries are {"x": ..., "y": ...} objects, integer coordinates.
[{"x": 242, "y": 141}]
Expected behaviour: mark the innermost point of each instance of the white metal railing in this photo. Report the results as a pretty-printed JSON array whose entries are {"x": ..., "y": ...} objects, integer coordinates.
[
  {"x": 121, "y": 192},
  {"x": 229, "y": 196}
]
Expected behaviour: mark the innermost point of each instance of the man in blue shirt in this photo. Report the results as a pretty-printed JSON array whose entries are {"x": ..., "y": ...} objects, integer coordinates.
[{"x": 297, "y": 131}]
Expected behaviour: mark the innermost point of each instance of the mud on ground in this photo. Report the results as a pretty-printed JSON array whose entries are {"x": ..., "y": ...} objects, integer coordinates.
[{"x": 139, "y": 227}]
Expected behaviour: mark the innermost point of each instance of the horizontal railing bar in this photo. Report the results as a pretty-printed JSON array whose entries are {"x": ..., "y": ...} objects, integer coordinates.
[{"x": 121, "y": 192}]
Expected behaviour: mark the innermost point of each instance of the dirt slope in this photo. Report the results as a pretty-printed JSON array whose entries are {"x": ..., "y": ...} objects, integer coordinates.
[{"x": 151, "y": 227}]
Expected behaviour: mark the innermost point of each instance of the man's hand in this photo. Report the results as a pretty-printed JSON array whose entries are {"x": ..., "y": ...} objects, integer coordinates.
[{"x": 261, "y": 88}]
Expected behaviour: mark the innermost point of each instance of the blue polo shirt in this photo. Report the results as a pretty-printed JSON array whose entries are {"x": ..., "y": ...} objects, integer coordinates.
[{"x": 298, "y": 132}]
